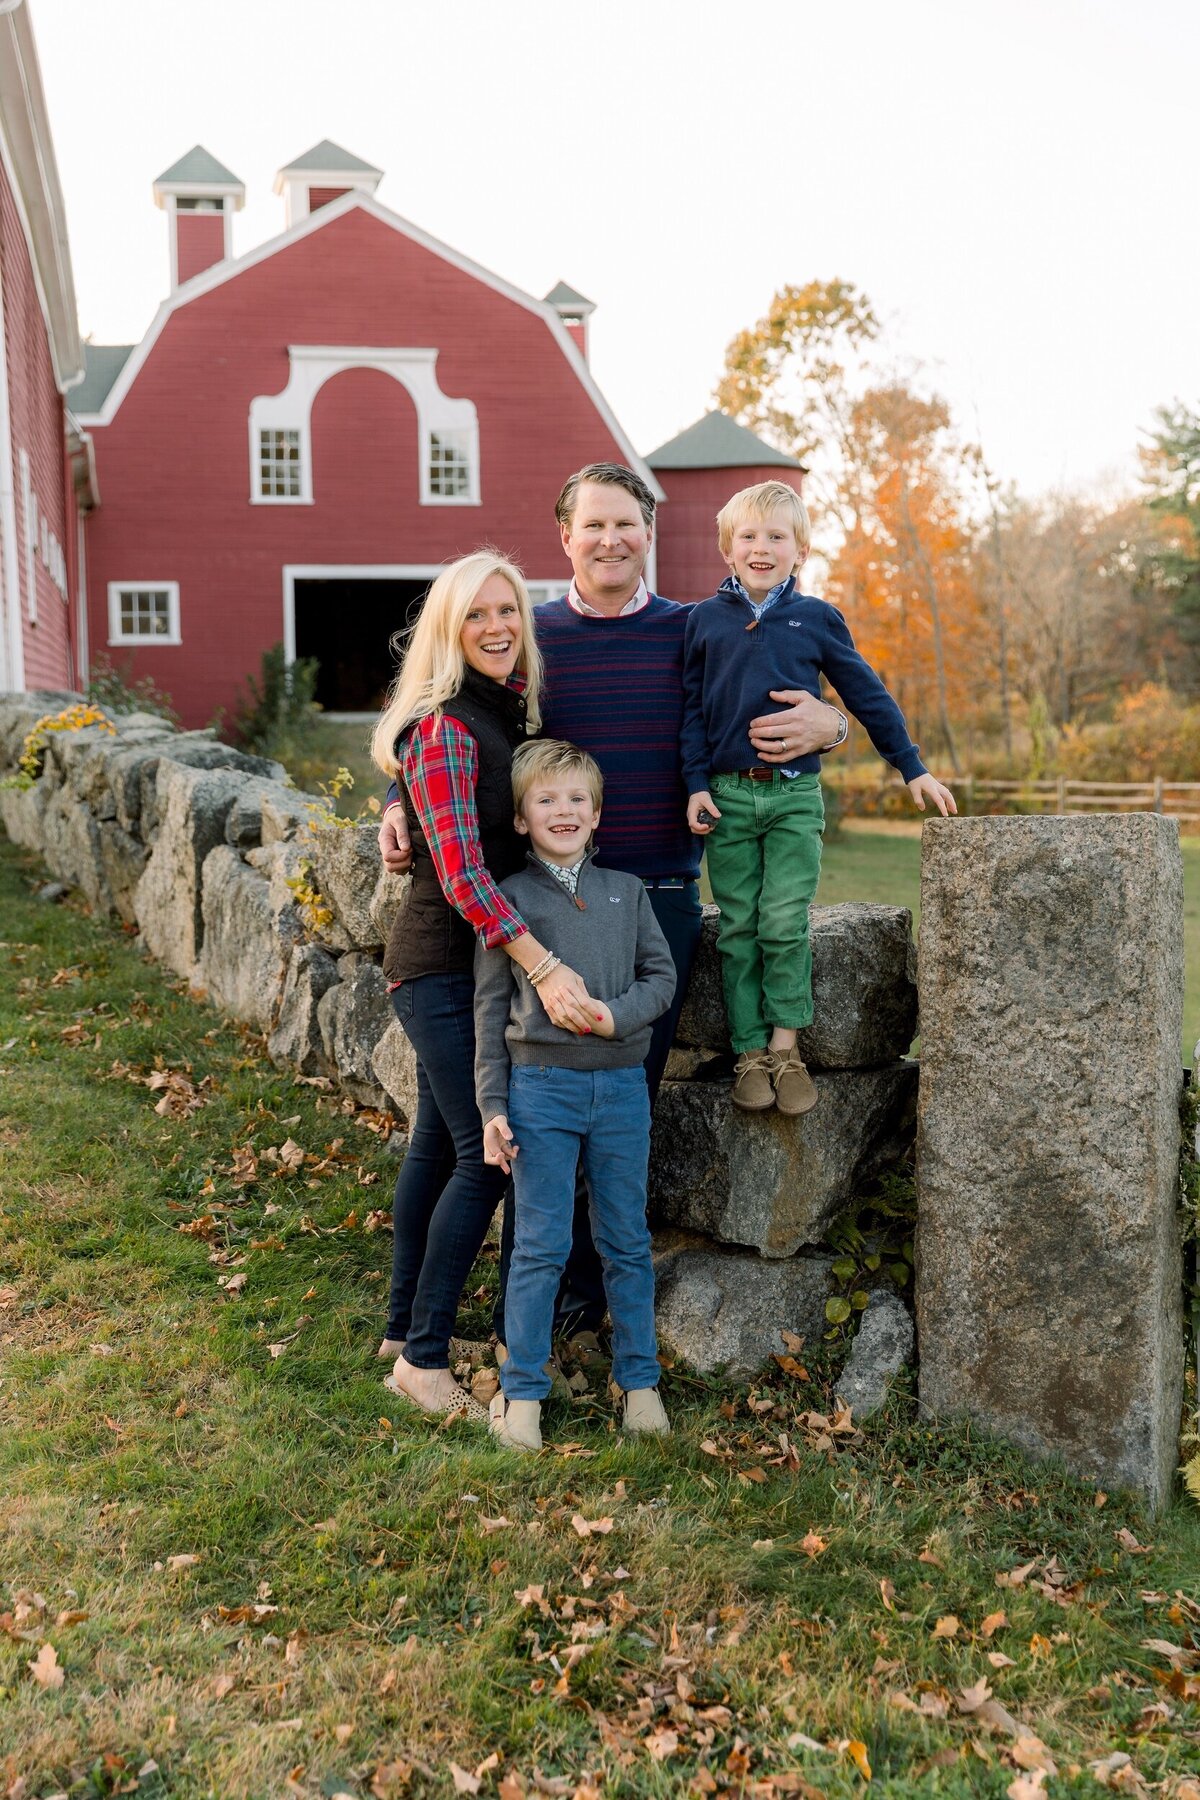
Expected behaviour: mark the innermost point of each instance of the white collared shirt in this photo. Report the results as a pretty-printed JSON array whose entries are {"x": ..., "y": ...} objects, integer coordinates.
[{"x": 576, "y": 601}]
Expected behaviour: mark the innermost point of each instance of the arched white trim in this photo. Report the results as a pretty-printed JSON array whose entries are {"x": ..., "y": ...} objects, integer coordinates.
[{"x": 312, "y": 365}]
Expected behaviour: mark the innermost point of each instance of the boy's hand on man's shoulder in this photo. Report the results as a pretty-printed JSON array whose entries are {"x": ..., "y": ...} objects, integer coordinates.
[
  {"x": 927, "y": 786},
  {"x": 498, "y": 1146}
]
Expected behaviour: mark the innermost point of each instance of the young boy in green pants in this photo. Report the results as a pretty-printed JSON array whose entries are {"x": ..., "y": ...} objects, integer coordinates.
[{"x": 764, "y": 824}]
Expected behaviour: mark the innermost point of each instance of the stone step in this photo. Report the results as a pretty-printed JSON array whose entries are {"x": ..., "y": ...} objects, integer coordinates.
[
  {"x": 864, "y": 988},
  {"x": 719, "y": 1308},
  {"x": 770, "y": 1183}
]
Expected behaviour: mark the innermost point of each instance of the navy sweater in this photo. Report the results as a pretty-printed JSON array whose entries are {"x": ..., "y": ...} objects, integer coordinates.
[
  {"x": 729, "y": 672},
  {"x": 615, "y": 688}
]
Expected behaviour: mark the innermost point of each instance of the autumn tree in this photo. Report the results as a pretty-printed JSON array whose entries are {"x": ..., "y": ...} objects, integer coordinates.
[
  {"x": 903, "y": 575},
  {"x": 794, "y": 377}
]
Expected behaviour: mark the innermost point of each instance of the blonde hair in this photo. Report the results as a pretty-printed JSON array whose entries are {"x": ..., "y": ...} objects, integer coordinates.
[
  {"x": 548, "y": 757},
  {"x": 434, "y": 666},
  {"x": 758, "y": 503}
]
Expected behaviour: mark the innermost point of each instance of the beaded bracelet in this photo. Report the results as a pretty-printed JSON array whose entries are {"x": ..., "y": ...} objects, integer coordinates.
[{"x": 538, "y": 975}]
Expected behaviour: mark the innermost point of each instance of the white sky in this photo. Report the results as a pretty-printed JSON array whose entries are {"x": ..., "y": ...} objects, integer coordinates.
[{"x": 1011, "y": 181}]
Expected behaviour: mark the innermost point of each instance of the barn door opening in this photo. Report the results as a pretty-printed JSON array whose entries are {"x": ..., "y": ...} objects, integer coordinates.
[{"x": 346, "y": 623}]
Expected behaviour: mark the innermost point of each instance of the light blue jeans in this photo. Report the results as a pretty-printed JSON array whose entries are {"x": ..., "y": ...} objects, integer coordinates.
[{"x": 555, "y": 1115}]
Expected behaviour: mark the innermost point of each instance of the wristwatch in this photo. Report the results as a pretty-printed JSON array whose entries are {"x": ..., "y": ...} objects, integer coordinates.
[{"x": 843, "y": 733}]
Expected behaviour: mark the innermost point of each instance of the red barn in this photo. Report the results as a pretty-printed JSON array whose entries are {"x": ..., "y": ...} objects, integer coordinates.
[
  {"x": 42, "y": 455},
  {"x": 306, "y": 433}
]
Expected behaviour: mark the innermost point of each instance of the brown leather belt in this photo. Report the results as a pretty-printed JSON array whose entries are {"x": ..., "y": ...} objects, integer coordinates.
[{"x": 756, "y": 774}]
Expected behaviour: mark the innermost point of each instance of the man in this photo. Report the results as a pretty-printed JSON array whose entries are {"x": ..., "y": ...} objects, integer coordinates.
[{"x": 613, "y": 655}]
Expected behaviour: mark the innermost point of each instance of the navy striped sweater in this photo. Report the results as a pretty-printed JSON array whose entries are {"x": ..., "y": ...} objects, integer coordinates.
[{"x": 615, "y": 687}]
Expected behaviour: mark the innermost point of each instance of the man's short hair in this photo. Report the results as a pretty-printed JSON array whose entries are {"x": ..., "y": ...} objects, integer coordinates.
[
  {"x": 758, "y": 503},
  {"x": 609, "y": 475},
  {"x": 550, "y": 759}
]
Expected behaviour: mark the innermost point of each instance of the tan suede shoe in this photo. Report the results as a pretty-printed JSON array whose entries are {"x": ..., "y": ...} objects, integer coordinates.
[
  {"x": 752, "y": 1089},
  {"x": 517, "y": 1424},
  {"x": 644, "y": 1413},
  {"x": 795, "y": 1089}
]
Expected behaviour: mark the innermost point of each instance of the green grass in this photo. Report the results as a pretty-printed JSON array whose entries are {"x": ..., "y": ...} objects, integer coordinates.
[{"x": 144, "y": 1417}]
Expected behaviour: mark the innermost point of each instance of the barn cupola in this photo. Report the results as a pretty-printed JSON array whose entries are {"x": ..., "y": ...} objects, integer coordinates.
[
  {"x": 199, "y": 196},
  {"x": 322, "y": 174},
  {"x": 574, "y": 309}
]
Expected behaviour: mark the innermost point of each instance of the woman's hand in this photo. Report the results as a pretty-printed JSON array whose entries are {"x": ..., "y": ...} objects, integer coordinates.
[
  {"x": 498, "y": 1146},
  {"x": 395, "y": 844},
  {"x": 567, "y": 1001},
  {"x": 941, "y": 796},
  {"x": 702, "y": 802},
  {"x": 603, "y": 1026}
]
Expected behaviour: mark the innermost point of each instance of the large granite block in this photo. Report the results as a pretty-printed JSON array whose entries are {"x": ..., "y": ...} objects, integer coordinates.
[
  {"x": 296, "y": 1039},
  {"x": 729, "y": 1308},
  {"x": 1048, "y": 1257},
  {"x": 770, "y": 1183},
  {"x": 192, "y": 806},
  {"x": 353, "y": 1016},
  {"x": 247, "y": 939},
  {"x": 864, "y": 988}
]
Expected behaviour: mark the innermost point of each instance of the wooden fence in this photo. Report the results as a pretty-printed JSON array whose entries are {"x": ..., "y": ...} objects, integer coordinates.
[{"x": 1178, "y": 799}]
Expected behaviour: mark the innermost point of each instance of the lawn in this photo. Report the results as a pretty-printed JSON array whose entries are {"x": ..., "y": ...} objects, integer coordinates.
[{"x": 235, "y": 1566}]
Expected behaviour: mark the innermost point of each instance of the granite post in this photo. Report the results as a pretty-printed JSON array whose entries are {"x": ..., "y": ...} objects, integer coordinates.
[{"x": 1048, "y": 1286}]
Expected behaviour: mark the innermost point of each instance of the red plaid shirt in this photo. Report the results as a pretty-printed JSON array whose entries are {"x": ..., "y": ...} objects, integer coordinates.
[{"x": 440, "y": 764}]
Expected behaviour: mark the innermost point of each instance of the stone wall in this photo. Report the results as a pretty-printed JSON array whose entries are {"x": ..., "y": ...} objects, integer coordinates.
[{"x": 200, "y": 846}]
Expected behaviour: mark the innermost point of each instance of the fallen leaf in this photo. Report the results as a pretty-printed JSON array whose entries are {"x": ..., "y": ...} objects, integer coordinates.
[
  {"x": 72, "y": 1616},
  {"x": 187, "y": 1561},
  {"x": 44, "y": 1668},
  {"x": 291, "y": 1155},
  {"x": 222, "y": 1685},
  {"x": 661, "y": 1744},
  {"x": 857, "y": 1752},
  {"x": 888, "y": 1594},
  {"x": 1178, "y": 1655},
  {"x": 343, "y": 1733},
  {"x": 1016, "y": 1577},
  {"x": 998, "y": 1660},
  {"x": 1130, "y": 1544},
  {"x": 590, "y": 1527},
  {"x": 1041, "y": 1646},
  {"x": 946, "y": 1627},
  {"x": 994, "y": 1622},
  {"x": 1027, "y": 1787},
  {"x": 1106, "y": 1767},
  {"x": 487, "y": 1526},
  {"x": 972, "y": 1698},
  {"x": 1029, "y": 1752},
  {"x": 464, "y": 1781},
  {"x": 812, "y": 1544},
  {"x": 927, "y": 1556}
]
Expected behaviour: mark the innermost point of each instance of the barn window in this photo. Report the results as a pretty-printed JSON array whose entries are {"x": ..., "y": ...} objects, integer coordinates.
[
  {"x": 450, "y": 465},
  {"x": 142, "y": 612},
  {"x": 279, "y": 465}
]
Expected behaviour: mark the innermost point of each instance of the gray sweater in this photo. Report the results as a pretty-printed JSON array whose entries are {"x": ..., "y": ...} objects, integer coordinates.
[{"x": 611, "y": 940}]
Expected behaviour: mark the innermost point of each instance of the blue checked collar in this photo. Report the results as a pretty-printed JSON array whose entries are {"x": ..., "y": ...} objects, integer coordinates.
[{"x": 731, "y": 585}]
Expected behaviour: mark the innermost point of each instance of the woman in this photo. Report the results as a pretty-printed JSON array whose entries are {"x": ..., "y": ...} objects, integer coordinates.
[{"x": 465, "y": 698}]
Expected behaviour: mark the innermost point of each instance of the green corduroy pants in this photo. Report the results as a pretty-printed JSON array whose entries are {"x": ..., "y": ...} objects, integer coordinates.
[{"x": 764, "y": 858}]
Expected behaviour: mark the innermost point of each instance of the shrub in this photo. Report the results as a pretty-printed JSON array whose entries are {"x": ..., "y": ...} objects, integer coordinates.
[
  {"x": 111, "y": 687},
  {"x": 280, "y": 706}
]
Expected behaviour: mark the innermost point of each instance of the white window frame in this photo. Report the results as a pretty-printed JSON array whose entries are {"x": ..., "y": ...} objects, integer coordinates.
[
  {"x": 134, "y": 641},
  {"x": 541, "y": 593},
  {"x": 303, "y": 495}
]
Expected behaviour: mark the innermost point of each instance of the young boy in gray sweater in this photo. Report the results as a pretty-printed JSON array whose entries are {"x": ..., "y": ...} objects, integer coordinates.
[{"x": 547, "y": 1095}]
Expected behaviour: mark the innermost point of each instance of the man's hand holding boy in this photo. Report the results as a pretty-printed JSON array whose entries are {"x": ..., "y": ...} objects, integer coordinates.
[
  {"x": 808, "y": 724},
  {"x": 395, "y": 844},
  {"x": 923, "y": 786},
  {"x": 498, "y": 1146}
]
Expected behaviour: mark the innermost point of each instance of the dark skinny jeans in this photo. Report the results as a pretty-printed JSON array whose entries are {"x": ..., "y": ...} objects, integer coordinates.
[{"x": 445, "y": 1193}]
